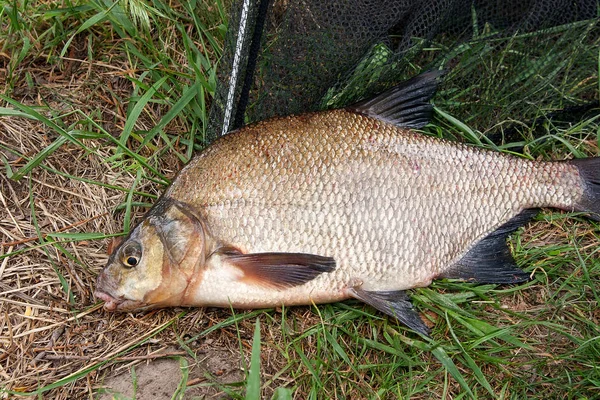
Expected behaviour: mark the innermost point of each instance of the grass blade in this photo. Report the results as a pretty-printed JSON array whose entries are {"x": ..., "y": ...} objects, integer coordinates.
[
  {"x": 101, "y": 16},
  {"x": 282, "y": 394},
  {"x": 440, "y": 353},
  {"x": 185, "y": 374},
  {"x": 137, "y": 110},
  {"x": 461, "y": 126},
  {"x": 77, "y": 236},
  {"x": 31, "y": 113},
  {"x": 39, "y": 158},
  {"x": 253, "y": 385},
  {"x": 188, "y": 94},
  {"x": 470, "y": 362}
]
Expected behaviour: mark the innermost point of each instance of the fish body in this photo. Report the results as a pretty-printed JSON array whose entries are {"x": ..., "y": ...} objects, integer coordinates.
[
  {"x": 376, "y": 198},
  {"x": 337, "y": 204}
]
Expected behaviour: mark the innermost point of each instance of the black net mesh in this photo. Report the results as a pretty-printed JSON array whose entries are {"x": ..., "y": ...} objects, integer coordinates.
[{"x": 504, "y": 58}]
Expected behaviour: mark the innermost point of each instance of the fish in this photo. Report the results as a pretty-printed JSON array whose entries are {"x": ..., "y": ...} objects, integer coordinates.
[{"x": 351, "y": 203}]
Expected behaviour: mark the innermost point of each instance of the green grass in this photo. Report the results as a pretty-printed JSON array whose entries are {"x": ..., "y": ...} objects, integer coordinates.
[
  {"x": 539, "y": 339},
  {"x": 179, "y": 82}
]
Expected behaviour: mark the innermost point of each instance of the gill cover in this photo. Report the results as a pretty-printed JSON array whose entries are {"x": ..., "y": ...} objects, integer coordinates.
[{"x": 182, "y": 236}]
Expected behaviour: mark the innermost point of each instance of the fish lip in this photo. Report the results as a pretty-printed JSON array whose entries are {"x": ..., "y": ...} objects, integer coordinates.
[
  {"x": 117, "y": 303},
  {"x": 110, "y": 303}
]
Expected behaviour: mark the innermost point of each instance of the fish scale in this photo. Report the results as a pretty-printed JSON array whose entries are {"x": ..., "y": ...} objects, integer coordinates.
[
  {"x": 330, "y": 205},
  {"x": 387, "y": 242}
]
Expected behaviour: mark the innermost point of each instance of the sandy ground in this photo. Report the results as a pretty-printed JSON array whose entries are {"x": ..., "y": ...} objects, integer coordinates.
[{"x": 161, "y": 379}]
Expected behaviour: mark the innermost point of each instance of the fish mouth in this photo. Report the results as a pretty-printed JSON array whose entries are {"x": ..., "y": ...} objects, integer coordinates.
[{"x": 118, "y": 303}]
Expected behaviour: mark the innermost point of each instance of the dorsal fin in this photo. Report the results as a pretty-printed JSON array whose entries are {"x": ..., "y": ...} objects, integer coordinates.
[{"x": 405, "y": 105}]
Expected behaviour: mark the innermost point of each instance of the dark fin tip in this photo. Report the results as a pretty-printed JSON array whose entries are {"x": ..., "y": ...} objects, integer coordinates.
[
  {"x": 406, "y": 105},
  {"x": 280, "y": 270},
  {"x": 589, "y": 170},
  {"x": 490, "y": 260},
  {"x": 395, "y": 304}
]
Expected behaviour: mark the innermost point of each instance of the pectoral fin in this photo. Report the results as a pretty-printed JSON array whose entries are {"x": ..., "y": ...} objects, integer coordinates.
[
  {"x": 279, "y": 270},
  {"x": 393, "y": 303}
]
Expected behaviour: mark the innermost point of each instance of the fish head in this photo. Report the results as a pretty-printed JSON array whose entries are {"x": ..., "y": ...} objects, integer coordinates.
[{"x": 155, "y": 264}]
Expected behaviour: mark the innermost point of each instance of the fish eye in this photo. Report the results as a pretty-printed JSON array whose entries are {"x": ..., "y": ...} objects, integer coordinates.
[
  {"x": 131, "y": 254},
  {"x": 131, "y": 261}
]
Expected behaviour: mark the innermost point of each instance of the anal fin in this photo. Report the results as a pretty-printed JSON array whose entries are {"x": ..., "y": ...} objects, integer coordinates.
[
  {"x": 279, "y": 270},
  {"x": 393, "y": 303},
  {"x": 490, "y": 260}
]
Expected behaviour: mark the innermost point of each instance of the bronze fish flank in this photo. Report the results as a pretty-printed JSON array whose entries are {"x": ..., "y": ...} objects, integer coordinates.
[{"x": 340, "y": 204}]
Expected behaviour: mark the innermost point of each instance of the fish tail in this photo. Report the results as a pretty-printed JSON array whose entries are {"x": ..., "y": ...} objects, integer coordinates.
[{"x": 589, "y": 171}]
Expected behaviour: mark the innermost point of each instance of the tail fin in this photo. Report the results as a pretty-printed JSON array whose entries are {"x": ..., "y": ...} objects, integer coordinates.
[{"x": 589, "y": 170}]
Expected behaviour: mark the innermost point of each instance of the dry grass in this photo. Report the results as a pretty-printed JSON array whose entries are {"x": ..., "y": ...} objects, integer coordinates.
[
  {"x": 53, "y": 332},
  {"x": 48, "y": 333}
]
